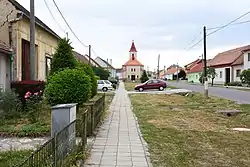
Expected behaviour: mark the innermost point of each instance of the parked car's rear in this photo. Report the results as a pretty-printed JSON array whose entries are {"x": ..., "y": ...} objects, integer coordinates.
[{"x": 152, "y": 84}]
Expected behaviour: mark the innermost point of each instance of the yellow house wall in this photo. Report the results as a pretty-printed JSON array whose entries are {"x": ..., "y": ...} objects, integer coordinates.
[{"x": 46, "y": 43}]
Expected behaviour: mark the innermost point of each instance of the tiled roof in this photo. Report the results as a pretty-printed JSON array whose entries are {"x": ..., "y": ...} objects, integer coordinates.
[
  {"x": 107, "y": 63},
  {"x": 172, "y": 71},
  {"x": 134, "y": 62},
  {"x": 133, "y": 48},
  {"x": 4, "y": 48},
  {"x": 228, "y": 57},
  {"x": 188, "y": 66},
  {"x": 38, "y": 21},
  {"x": 84, "y": 59},
  {"x": 198, "y": 66},
  {"x": 239, "y": 61}
]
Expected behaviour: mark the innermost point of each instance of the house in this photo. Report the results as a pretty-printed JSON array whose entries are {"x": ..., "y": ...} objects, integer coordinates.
[
  {"x": 172, "y": 73},
  {"x": 106, "y": 65},
  {"x": 85, "y": 60},
  {"x": 229, "y": 64},
  {"x": 194, "y": 70},
  {"x": 5, "y": 59},
  {"x": 132, "y": 69},
  {"x": 15, "y": 33},
  {"x": 119, "y": 73}
]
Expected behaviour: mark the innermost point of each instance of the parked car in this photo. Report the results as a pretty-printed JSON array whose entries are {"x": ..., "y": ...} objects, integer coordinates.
[
  {"x": 152, "y": 84},
  {"x": 104, "y": 85}
]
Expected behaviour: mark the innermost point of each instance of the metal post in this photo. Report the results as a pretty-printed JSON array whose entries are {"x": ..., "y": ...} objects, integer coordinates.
[
  {"x": 164, "y": 72},
  {"x": 205, "y": 62},
  {"x": 32, "y": 41},
  {"x": 89, "y": 53},
  {"x": 158, "y": 67},
  {"x": 177, "y": 73}
]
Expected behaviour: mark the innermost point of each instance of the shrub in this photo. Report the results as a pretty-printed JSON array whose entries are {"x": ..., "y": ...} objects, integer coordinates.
[
  {"x": 101, "y": 72},
  {"x": 22, "y": 87},
  {"x": 89, "y": 71},
  {"x": 10, "y": 105},
  {"x": 234, "y": 83},
  {"x": 63, "y": 58},
  {"x": 68, "y": 86},
  {"x": 144, "y": 77},
  {"x": 245, "y": 77}
]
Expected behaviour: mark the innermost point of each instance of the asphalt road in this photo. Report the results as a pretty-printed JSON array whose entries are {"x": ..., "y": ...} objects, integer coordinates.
[{"x": 239, "y": 96}]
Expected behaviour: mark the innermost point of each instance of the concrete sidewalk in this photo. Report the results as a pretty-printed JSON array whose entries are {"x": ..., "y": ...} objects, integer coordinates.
[{"x": 119, "y": 142}]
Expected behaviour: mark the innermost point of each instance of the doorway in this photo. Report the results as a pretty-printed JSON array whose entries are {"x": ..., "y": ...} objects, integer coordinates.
[
  {"x": 133, "y": 77},
  {"x": 228, "y": 79},
  {"x": 25, "y": 60}
]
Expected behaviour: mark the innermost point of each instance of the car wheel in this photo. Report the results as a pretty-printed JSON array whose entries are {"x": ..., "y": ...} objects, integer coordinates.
[
  {"x": 140, "y": 89},
  {"x": 105, "y": 89},
  {"x": 161, "y": 88}
]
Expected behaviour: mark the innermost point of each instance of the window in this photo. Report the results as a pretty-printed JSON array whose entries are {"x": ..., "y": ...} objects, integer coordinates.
[
  {"x": 100, "y": 82},
  {"x": 128, "y": 76},
  {"x": 131, "y": 69},
  {"x": 133, "y": 56},
  {"x": 238, "y": 73},
  {"x": 134, "y": 69},
  {"x": 196, "y": 76},
  {"x": 47, "y": 64},
  {"x": 137, "y": 76},
  {"x": 107, "y": 82},
  {"x": 220, "y": 74},
  {"x": 248, "y": 56},
  {"x": 155, "y": 81}
]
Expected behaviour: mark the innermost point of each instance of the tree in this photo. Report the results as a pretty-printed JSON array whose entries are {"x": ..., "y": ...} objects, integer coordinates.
[
  {"x": 245, "y": 77},
  {"x": 182, "y": 74},
  {"x": 101, "y": 73},
  {"x": 144, "y": 77},
  {"x": 211, "y": 73},
  {"x": 63, "y": 57}
]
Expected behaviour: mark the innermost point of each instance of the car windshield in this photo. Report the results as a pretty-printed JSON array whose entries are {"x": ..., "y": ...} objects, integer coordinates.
[{"x": 107, "y": 82}]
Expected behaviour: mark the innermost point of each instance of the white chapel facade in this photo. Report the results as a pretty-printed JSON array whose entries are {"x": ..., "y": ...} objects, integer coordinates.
[{"x": 132, "y": 69}]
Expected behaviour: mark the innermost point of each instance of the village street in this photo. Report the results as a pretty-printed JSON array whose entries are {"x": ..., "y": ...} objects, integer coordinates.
[{"x": 239, "y": 96}]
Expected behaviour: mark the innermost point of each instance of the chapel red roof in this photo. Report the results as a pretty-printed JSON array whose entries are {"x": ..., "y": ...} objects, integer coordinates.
[
  {"x": 133, "y": 48},
  {"x": 134, "y": 62}
]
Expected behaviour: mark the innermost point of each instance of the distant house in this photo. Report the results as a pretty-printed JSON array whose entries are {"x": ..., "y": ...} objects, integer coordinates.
[
  {"x": 106, "y": 65},
  {"x": 119, "y": 73},
  {"x": 229, "y": 64},
  {"x": 5, "y": 69},
  {"x": 84, "y": 59},
  {"x": 172, "y": 73}
]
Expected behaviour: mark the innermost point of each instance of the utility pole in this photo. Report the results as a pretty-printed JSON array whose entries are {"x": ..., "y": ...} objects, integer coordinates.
[
  {"x": 32, "y": 41},
  {"x": 158, "y": 67},
  {"x": 205, "y": 62},
  {"x": 89, "y": 53},
  {"x": 177, "y": 79},
  {"x": 67, "y": 35},
  {"x": 164, "y": 71}
]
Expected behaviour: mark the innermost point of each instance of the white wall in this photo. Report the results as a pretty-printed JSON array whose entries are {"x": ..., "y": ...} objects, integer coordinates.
[
  {"x": 234, "y": 69},
  {"x": 220, "y": 79},
  {"x": 169, "y": 77},
  {"x": 138, "y": 71},
  {"x": 4, "y": 71},
  {"x": 246, "y": 62}
]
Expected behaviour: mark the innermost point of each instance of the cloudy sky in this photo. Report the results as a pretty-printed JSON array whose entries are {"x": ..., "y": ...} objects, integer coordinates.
[{"x": 164, "y": 27}]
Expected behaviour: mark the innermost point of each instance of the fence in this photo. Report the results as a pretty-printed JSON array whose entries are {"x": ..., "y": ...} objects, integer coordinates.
[{"x": 73, "y": 137}]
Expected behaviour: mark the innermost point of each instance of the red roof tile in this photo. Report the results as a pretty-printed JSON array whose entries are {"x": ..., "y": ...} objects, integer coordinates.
[
  {"x": 228, "y": 57},
  {"x": 172, "y": 70},
  {"x": 133, "y": 48},
  {"x": 196, "y": 68},
  {"x": 134, "y": 62}
]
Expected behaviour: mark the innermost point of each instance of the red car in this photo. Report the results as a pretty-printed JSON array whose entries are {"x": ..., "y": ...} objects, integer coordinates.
[{"x": 152, "y": 84}]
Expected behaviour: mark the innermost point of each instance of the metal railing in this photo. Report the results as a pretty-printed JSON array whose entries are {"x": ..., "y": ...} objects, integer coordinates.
[{"x": 71, "y": 138}]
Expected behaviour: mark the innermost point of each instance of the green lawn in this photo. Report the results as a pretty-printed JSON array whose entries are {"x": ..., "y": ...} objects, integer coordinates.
[
  {"x": 186, "y": 132},
  {"x": 11, "y": 158}
]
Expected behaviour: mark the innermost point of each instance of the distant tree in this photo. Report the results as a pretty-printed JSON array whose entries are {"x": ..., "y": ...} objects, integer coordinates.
[
  {"x": 245, "y": 77},
  {"x": 182, "y": 74},
  {"x": 211, "y": 73},
  {"x": 63, "y": 57},
  {"x": 144, "y": 77},
  {"x": 101, "y": 73}
]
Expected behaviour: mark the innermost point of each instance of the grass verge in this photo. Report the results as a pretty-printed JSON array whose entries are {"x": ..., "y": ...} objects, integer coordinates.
[
  {"x": 186, "y": 131},
  {"x": 10, "y": 158}
]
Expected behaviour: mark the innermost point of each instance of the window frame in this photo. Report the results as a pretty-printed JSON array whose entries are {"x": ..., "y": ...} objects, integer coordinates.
[
  {"x": 221, "y": 74},
  {"x": 47, "y": 57},
  {"x": 238, "y": 74}
]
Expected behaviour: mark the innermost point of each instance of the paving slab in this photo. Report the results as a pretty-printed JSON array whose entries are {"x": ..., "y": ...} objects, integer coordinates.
[{"x": 119, "y": 141}]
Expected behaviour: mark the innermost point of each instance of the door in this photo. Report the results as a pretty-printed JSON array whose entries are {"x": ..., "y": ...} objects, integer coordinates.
[
  {"x": 133, "y": 77},
  {"x": 25, "y": 60},
  {"x": 227, "y": 75}
]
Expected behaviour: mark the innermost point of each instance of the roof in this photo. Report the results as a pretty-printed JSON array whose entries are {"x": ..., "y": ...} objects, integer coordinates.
[
  {"x": 172, "y": 70},
  {"x": 83, "y": 58},
  {"x": 238, "y": 61},
  {"x": 198, "y": 66},
  {"x": 132, "y": 62},
  {"x": 38, "y": 21},
  {"x": 228, "y": 57},
  {"x": 4, "y": 48},
  {"x": 190, "y": 65},
  {"x": 106, "y": 63},
  {"x": 133, "y": 48}
]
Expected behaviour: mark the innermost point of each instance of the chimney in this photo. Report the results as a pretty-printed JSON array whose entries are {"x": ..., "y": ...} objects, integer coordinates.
[{"x": 110, "y": 61}]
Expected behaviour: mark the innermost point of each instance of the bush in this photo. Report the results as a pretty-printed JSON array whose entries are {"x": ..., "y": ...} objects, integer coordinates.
[
  {"x": 101, "y": 72},
  {"x": 68, "y": 86},
  {"x": 22, "y": 87},
  {"x": 245, "y": 77},
  {"x": 144, "y": 77},
  {"x": 234, "y": 84},
  {"x": 10, "y": 105},
  {"x": 63, "y": 58},
  {"x": 89, "y": 71}
]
